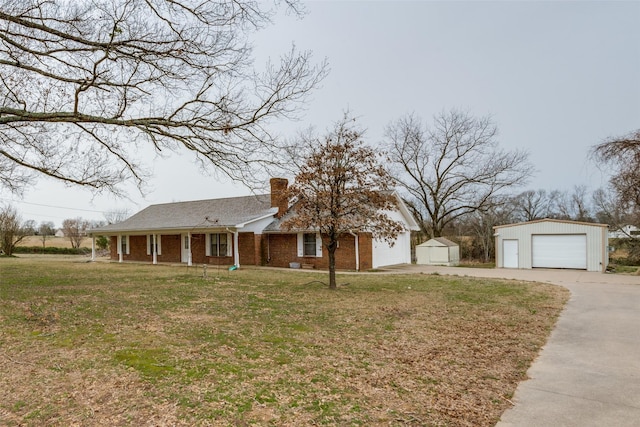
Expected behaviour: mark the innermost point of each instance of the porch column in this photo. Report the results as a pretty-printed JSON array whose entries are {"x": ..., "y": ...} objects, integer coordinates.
[
  {"x": 119, "y": 243},
  {"x": 189, "y": 255},
  {"x": 93, "y": 248},
  {"x": 154, "y": 249},
  {"x": 236, "y": 252}
]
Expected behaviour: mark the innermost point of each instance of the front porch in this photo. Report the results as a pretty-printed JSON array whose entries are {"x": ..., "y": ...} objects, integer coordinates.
[{"x": 215, "y": 247}]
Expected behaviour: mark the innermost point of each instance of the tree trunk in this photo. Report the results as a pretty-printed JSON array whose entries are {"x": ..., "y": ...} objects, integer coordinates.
[{"x": 331, "y": 249}]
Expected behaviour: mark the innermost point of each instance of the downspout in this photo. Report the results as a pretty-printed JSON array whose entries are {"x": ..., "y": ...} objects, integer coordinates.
[
  {"x": 189, "y": 255},
  {"x": 93, "y": 247},
  {"x": 357, "y": 240}
]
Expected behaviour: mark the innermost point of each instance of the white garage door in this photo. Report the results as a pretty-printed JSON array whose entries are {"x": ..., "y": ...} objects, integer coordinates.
[
  {"x": 400, "y": 253},
  {"x": 559, "y": 251}
]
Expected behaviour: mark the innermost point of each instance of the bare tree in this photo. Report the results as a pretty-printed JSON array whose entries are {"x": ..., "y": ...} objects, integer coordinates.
[
  {"x": 116, "y": 215},
  {"x": 608, "y": 210},
  {"x": 75, "y": 230},
  {"x": 12, "y": 230},
  {"x": 452, "y": 167},
  {"x": 534, "y": 204},
  {"x": 29, "y": 227},
  {"x": 84, "y": 84},
  {"x": 342, "y": 188},
  {"x": 479, "y": 224},
  {"x": 46, "y": 229},
  {"x": 574, "y": 205},
  {"x": 623, "y": 153}
]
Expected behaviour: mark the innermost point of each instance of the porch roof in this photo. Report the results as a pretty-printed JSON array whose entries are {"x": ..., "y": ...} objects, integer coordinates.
[{"x": 199, "y": 214}]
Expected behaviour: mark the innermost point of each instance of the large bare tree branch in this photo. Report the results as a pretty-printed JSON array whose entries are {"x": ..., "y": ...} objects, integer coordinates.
[
  {"x": 108, "y": 76},
  {"x": 623, "y": 154}
]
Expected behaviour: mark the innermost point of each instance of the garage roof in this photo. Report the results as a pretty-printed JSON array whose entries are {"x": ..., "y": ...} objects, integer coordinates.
[{"x": 562, "y": 221}]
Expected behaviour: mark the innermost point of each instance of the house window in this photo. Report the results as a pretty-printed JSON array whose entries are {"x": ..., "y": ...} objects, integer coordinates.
[
  {"x": 124, "y": 245},
  {"x": 219, "y": 244},
  {"x": 309, "y": 244},
  {"x": 186, "y": 242}
]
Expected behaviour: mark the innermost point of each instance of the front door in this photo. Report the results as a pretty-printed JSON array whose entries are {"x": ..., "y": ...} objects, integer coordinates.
[
  {"x": 186, "y": 248},
  {"x": 510, "y": 253}
]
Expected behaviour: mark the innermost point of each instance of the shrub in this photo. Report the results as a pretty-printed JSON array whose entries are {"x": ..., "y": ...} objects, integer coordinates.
[{"x": 51, "y": 250}]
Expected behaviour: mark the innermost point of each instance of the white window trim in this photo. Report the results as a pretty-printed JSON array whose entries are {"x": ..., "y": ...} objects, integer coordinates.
[
  {"x": 300, "y": 239},
  {"x": 208, "y": 244},
  {"x": 126, "y": 242},
  {"x": 150, "y": 243}
]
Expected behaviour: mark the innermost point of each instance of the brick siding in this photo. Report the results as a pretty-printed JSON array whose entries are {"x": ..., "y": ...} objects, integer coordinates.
[
  {"x": 281, "y": 249},
  {"x": 276, "y": 250}
]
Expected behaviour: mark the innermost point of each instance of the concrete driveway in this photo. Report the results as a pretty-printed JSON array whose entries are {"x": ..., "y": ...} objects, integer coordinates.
[{"x": 588, "y": 373}]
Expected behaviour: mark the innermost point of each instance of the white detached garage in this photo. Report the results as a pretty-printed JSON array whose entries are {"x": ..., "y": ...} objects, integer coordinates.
[{"x": 551, "y": 243}]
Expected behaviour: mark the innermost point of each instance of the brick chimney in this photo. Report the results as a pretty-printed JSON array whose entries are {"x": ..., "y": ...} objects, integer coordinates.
[{"x": 278, "y": 198}]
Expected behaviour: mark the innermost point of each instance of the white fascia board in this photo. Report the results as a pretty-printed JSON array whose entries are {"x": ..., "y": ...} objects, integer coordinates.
[
  {"x": 410, "y": 220},
  {"x": 146, "y": 231},
  {"x": 251, "y": 221}
]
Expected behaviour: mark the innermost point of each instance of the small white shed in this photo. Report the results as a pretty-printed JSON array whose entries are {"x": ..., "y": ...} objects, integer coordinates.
[
  {"x": 438, "y": 251},
  {"x": 551, "y": 243}
]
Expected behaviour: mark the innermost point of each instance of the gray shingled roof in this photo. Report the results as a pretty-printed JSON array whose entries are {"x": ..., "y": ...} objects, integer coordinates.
[
  {"x": 276, "y": 224},
  {"x": 442, "y": 240},
  {"x": 445, "y": 241},
  {"x": 213, "y": 213}
]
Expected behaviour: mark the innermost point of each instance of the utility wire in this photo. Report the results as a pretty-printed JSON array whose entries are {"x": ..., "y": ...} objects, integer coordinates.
[{"x": 52, "y": 206}]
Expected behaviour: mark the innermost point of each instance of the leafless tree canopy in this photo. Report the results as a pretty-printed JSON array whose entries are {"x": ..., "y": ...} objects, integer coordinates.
[
  {"x": 75, "y": 229},
  {"x": 479, "y": 225},
  {"x": 116, "y": 215},
  {"x": 452, "y": 166},
  {"x": 84, "y": 84},
  {"x": 608, "y": 210},
  {"x": 12, "y": 229},
  {"x": 623, "y": 154},
  {"x": 46, "y": 230},
  {"x": 341, "y": 188}
]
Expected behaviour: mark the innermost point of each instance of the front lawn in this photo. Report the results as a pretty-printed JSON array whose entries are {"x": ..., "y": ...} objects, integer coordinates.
[{"x": 120, "y": 344}]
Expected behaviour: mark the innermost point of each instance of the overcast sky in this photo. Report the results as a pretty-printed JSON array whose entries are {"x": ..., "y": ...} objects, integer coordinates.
[{"x": 557, "y": 78}]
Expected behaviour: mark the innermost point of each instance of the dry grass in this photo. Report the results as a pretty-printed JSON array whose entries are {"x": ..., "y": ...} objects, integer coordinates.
[
  {"x": 52, "y": 242},
  {"x": 106, "y": 344}
]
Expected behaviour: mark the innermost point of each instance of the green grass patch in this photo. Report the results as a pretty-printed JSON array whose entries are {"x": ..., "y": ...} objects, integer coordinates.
[
  {"x": 152, "y": 363},
  {"x": 621, "y": 268}
]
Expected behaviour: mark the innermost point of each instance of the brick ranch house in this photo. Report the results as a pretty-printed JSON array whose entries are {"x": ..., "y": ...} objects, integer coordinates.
[{"x": 244, "y": 231}]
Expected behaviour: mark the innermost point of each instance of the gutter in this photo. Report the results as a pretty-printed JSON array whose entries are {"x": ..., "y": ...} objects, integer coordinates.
[{"x": 357, "y": 239}]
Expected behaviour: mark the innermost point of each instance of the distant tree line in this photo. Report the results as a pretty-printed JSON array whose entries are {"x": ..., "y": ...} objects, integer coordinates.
[{"x": 13, "y": 230}]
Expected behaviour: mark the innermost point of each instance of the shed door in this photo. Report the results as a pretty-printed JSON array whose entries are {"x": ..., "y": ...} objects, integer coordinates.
[
  {"x": 439, "y": 254},
  {"x": 559, "y": 251},
  {"x": 510, "y": 253}
]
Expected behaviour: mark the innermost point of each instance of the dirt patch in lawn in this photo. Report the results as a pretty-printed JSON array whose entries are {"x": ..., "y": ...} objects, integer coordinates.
[{"x": 107, "y": 344}]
